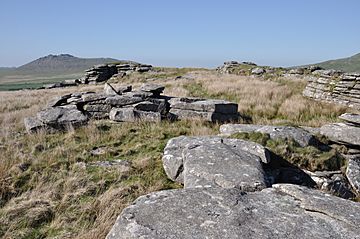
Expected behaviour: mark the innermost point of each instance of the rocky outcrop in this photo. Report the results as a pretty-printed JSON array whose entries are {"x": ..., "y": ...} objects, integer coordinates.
[
  {"x": 122, "y": 104},
  {"x": 334, "y": 87},
  {"x": 104, "y": 72},
  {"x": 284, "y": 211},
  {"x": 227, "y": 192},
  {"x": 299, "y": 135}
]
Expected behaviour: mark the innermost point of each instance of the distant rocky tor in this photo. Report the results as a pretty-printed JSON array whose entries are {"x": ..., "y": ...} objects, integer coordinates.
[
  {"x": 103, "y": 72},
  {"x": 332, "y": 86},
  {"x": 123, "y": 104}
]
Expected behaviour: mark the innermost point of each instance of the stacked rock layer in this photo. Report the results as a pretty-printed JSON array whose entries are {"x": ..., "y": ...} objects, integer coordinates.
[
  {"x": 335, "y": 87},
  {"x": 123, "y": 104}
]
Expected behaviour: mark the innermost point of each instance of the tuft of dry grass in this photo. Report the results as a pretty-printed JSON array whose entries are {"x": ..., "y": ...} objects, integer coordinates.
[{"x": 272, "y": 101}]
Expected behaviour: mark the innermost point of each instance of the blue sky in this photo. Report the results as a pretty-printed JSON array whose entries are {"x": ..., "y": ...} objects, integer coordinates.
[{"x": 181, "y": 33}]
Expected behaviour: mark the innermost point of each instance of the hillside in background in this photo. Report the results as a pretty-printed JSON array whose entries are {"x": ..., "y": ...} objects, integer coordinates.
[
  {"x": 48, "y": 69},
  {"x": 63, "y": 63},
  {"x": 349, "y": 64}
]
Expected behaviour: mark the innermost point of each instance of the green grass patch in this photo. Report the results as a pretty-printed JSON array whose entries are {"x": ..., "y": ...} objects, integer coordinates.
[{"x": 309, "y": 157}]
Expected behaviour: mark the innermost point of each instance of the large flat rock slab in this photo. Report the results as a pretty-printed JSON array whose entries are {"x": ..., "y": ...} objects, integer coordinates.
[
  {"x": 205, "y": 109},
  {"x": 215, "y": 161},
  {"x": 285, "y": 211},
  {"x": 342, "y": 133},
  {"x": 219, "y": 164},
  {"x": 299, "y": 135},
  {"x": 218, "y": 106}
]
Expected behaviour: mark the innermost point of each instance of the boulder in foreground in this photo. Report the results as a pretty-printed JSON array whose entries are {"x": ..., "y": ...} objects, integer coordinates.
[
  {"x": 215, "y": 162},
  {"x": 284, "y": 211}
]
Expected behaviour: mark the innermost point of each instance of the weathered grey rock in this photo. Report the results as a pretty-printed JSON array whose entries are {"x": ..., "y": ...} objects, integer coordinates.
[
  {"x": 162, "y": 105},
  {"x": 217, "y": 164},
  {"x": 116, "y": 89},
  {"x": 98, "y": 107},
  {"x": 122, "y": 114},
  {"x": 60, "y": 117},
  {"x": 285, "y": 211},
  {"x": 74, "y": 100},
  {"x": 93, "y": 97},
  {"x": 257, "y": 71},
  {"x": 351, "y": 118},
  {"x": 299, "y": 135},
  {"x": 333, "y": 182},
  {"x": 109, "y": 90},
  {"x": 147, "y": 106},
  {"x": 147, "y": 116},
  {"x": 311, "y": 130},
  {"x": 174, "y": 152},
  {"x": 142, "y": 68},
  {"x": 59, "y": 100},
  {"x": 297, "y": 71},
  {"x": 131, "y": 115},
  {"x": 122, "y": 100},
  {"x": 218, "y": 106},
  {"x": 142, "y": 94},
  {"x": 32, "y": 125},
  {"x": 342, "y": 133},
  {"x": 353, "y": 172},
  {"x": 98, "y": 114},
  {"x": 201, "y": 115},
  {"x": 153, "y": 88}
]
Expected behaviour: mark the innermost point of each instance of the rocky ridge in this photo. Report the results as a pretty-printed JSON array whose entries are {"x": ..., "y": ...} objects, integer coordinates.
[
  {"x": 332, "y": 86},
  {"x": 123, "y": 104}
]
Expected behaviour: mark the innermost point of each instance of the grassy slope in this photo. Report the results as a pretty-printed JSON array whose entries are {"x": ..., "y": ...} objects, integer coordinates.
[
  {"x": 350, "y": 64},
  {"x": 46, "y": 192}
]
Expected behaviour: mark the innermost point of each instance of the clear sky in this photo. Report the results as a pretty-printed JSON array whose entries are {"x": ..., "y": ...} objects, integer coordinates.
[{"x": 181, "y": 33}]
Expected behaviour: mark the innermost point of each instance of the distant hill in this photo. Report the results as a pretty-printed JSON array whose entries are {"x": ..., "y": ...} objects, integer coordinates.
[
  {"x": 350, "y": 64},
  {"x": 63, "y": 63},
  {"x": 48, "y": 69}
]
